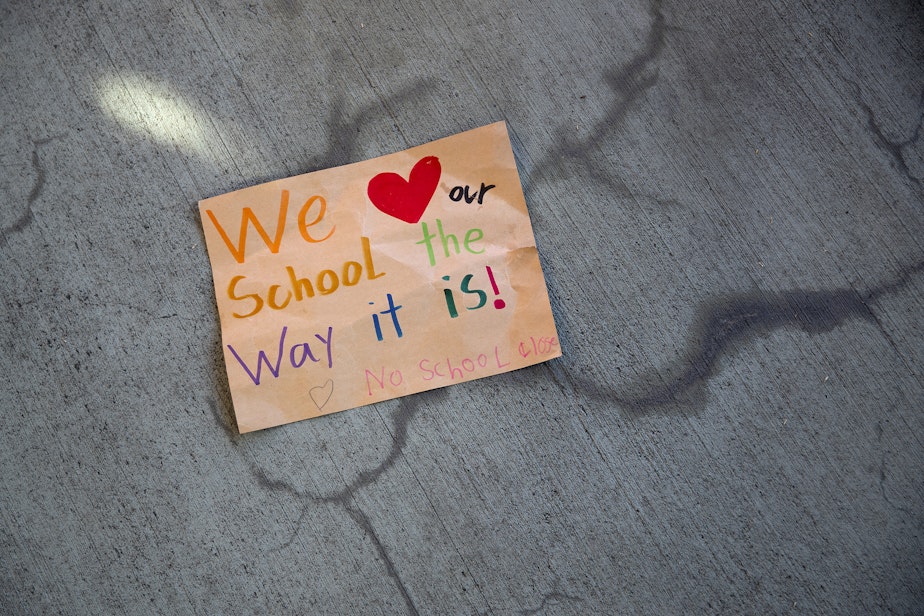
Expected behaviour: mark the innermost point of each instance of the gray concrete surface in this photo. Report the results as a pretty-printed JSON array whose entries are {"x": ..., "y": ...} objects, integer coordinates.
[{"x": 727, "y": 198}]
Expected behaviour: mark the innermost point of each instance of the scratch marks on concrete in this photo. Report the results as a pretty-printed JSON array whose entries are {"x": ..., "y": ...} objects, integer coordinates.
[
  {"x": 343, "y": 127},
  {"x": 629, "y": 82},
  {"x": 550, "y": 599},
  {"x": 729, "y": 322},
  {"x": 27, "y": 217},
  {"x": 407, "y": 408},
  {"x": 363, "y": 522},
  {"x": 882, "y": 475},
  {"x": 893, "y": 147},
  {"x": 225, "y": 421}
]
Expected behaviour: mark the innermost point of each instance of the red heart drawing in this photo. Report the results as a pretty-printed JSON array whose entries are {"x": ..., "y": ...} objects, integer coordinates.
[{"x": 406, "y": 199}]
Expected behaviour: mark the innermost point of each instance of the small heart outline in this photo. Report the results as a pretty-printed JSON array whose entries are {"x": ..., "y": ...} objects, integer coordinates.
[{"x": 321, "y": 394}]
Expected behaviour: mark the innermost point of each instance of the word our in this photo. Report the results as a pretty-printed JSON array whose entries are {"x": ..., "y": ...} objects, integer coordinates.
[{"x": 457, "y": 193}]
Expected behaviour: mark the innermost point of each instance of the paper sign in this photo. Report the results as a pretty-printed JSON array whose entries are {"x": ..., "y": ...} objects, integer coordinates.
[{"x": 378, "y": 279}]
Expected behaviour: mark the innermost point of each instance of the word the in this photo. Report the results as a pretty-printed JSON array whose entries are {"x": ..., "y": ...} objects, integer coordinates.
[
  {"x": 465, "y": 287},
  {"x": 458, "y": 193},
  {"x": 298, "y": 354},
  {"x": 326, "y": 282},
  {"x": 393, "y": 311},
  {"x": 247, "y": 215},
  {"x": 447, "y": 239}
]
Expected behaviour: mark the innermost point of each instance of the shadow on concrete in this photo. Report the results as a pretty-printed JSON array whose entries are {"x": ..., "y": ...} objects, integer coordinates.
[{"x": 726, "y": 323}]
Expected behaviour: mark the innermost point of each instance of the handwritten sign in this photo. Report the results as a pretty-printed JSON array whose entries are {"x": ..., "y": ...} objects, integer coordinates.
[{"x": 375, "y": 280}]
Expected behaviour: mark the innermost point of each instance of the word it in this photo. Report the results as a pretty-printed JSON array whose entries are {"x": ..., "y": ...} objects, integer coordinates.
[{"x": 393, "y": 311}]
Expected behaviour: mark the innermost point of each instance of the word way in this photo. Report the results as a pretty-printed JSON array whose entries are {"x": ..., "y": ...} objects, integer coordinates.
[{"x": 299, "y": 353}]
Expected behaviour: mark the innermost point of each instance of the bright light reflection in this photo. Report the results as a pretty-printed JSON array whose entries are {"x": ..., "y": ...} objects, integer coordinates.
[{"x": 154, "y": 110}]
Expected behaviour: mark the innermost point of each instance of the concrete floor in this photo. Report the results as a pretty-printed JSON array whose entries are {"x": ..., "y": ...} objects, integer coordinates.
[{"x": 727, "y": 199}]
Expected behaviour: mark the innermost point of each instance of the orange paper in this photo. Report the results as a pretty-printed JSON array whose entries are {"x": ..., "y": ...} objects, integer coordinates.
[{"x": 375, "y": 280}]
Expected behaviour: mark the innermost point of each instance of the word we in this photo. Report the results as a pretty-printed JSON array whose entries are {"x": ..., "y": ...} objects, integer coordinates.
[{"x": 304, "y": 227}]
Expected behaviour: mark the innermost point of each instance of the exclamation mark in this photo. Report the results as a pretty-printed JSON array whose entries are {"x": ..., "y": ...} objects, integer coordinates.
[{"x": 498, "y": 303}]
